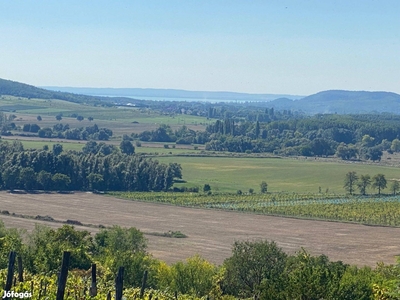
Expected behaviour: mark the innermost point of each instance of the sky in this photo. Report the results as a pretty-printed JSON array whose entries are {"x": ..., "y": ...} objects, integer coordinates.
[{"x": 269, "y": 46}]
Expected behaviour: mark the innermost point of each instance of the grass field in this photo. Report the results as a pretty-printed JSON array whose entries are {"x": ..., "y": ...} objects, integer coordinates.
[
  {"x": 226, "y": 174},
  {"x": 39, "y": 145}
]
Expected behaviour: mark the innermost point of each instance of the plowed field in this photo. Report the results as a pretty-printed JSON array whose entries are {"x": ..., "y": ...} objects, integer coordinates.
[{"x": 211, "y": 233}]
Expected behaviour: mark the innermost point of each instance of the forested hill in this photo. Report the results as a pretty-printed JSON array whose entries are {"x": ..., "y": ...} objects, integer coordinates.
[
  {"x": 343, "y": 102},
  {"x": 17, "y": 89}
]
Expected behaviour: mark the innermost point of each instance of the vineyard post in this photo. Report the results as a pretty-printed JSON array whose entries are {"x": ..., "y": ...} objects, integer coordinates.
[
  {"x": 93, "y": 286},
  {"x": 10, "y": 271},
  {"x": 143, "y": 284},
  {"x": 119, "y": 282},
  {"x": 62, "y": 280},
  {"x": 20, "y": 269}
]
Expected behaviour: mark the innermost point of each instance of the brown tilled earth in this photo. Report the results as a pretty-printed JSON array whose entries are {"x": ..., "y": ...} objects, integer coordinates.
[{"x": 210, "y": 233}]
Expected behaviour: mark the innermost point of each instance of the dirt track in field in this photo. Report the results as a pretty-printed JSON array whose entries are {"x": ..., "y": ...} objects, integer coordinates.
[{"x": 210, "y": 233}]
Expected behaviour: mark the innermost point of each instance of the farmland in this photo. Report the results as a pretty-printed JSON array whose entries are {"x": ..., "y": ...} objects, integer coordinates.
[
  {"x": 210, "y": 232},
  {"x": 122, "y": 120},
  {"x": 229, "y": 174},
  {"x": 298, "y": 187}
]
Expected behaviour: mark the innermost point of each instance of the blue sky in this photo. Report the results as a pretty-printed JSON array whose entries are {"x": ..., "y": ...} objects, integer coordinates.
[{"x": 289, "y": 47}]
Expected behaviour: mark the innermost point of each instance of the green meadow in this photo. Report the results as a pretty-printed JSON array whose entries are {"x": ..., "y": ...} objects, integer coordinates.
[{"x": 227, "y": 174}]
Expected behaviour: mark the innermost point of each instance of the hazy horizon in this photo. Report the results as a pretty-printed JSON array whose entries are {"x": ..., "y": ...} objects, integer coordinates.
[{"x": 259, "y": 47}]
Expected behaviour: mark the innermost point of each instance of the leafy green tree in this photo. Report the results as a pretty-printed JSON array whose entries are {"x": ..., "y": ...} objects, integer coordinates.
[
  {"x": 80, "y": 118},
  {"x": 395, "y": 147},
  {"x": 312, "y": 277},
  {"x": 263, "y": 187},
  {"x": 379, "y": 182},
  {"x": 59, "y": 117},
  {"x": 44, "y": 180},
  {"x": 61, "y": 181},
  {"x": 34, "y": 128},
  {"x": 206, "y": 188},
  {"x": 257, "y": 129},
  {"x": 394, "y": 186},
  {"x": 194, "y": 277},
  {"x": 346, "y": 152},
  {"x": 10, "y": 177},
  {"x": 350, "y": 181},
  {"x": 367, "y": 140},
  {"x": 95, "y": 181},
  {"x": 127, "y": 147},
  {"x": 26, "y": 127},
  {"x": 90, "y": 147},
  {"x": 90, "y": 119},
  {"x": 39, "y": 118},
  {"x": 11, "y": 239},
  {"x": 255, "y": 267},
  {"x": 365, "y": 181},
  {"x": 356, "y": 284},
  {"x": 45, "y": 247},
  {"x": 117, "y": 240},
  {"x": 27, "y": 177},
  {"x": 119, "y": 246},
  {"x": 57, "y": 149}
]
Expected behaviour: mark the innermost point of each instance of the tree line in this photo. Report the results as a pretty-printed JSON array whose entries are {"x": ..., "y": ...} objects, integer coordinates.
[
  {"x": 346, "y": 136},
  {"x": 65, "y": 132},
  {"x": 378, "y": 182},
  {"x": 97, "y": 167}
]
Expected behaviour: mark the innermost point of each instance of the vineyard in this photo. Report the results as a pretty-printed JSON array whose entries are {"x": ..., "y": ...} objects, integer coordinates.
[
  {"x": 371, "y": 210},
  {"x": 78, "y": 286}
]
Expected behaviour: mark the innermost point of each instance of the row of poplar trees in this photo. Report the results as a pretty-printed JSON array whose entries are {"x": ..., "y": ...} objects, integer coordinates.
[{"x": 72, "y": 170}]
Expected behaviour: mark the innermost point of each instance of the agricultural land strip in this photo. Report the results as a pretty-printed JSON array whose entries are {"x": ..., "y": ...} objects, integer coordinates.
[{"x": 210, "y": 233}]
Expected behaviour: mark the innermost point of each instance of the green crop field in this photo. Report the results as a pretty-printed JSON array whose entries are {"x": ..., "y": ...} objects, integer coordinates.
[
  {"x": 371, "y": 210},
  {"x": 228, "y": 174}
]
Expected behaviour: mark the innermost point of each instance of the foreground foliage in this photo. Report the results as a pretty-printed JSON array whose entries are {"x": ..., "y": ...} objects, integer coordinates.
[{"x": 257, "y": 269}]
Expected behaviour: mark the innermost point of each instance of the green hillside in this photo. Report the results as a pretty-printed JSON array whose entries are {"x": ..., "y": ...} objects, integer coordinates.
[{"x": 17, "y": 89}]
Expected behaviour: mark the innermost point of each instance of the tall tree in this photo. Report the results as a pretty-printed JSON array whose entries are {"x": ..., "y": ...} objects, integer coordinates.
[
  {"x": 394, "y": 186},
  {"x": 379, "y": 182},
  {"x": 365, "y": 181},
  {"x": 127, "y": 147},
  {"x": 350, "y": 181},
  {"x": 263, "y": 187},
  {"x": 255, "y": 267}
]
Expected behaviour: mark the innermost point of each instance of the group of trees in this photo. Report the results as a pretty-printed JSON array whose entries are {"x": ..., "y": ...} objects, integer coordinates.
[
  {"x": 256, "y": 269},
  {"x": 98, "y": 166},
  {"x": 64, "y": 131},
  {"x": 352, "y": 181},
  {"x": 346, "y": 136}
]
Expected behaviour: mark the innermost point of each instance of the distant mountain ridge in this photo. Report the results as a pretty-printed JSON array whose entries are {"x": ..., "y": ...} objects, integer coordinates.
[
  {"x": 332, "y": 101},
  {"x": 343, "y": 102},
  {"x": 170, "y": 93}
]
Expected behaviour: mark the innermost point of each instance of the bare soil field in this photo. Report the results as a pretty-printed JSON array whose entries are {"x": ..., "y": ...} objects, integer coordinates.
[{"x": 210, "y": 233}]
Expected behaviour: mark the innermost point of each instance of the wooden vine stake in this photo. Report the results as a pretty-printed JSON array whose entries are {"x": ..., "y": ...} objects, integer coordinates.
[{"x": 62, "y": 280}]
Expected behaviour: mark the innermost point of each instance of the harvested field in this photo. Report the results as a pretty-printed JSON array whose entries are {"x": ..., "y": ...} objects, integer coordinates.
[{"x": 210, "y": 233}]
